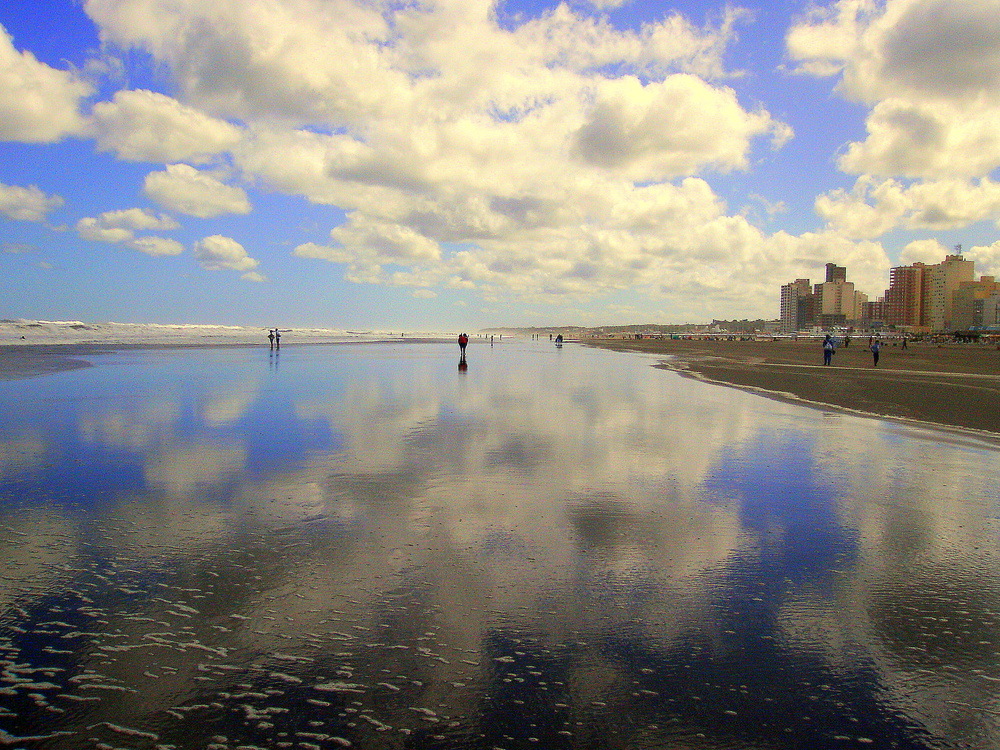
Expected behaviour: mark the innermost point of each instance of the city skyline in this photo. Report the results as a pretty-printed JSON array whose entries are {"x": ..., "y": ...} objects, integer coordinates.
[
  {"x": 465, "y": 164},
  {"x": 921, "y": 297}
]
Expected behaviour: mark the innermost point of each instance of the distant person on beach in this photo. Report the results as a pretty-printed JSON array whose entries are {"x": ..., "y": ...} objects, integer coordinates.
[
  {"x": 463, "y": 341},
  {"x": 876, "y": 347},
  {"x": 827, "y": 350},
  {"x": 277, "y": 339},
  {"x": 270, "y": 337}
]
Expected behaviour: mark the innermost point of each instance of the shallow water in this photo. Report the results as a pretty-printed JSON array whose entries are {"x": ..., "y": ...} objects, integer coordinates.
[{"x": 365, "y": 546}]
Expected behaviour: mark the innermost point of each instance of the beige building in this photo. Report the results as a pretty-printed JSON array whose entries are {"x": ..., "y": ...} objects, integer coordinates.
[
  {"x": 839, "y": 303},
  {"x": 969, "y": 308},
  {"x": 922, "y": 296},
  {"x": 991, "y": 312},
  {"x": 834, "y": 302},
  {"x": 940, "y": 283}
]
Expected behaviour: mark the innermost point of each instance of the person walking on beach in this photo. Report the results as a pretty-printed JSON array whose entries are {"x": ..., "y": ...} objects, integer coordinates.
[
  {"x": 277, "y": 339},
  {"x": 270, "y": 337},
  {"x": 827, "y": 350},
  {"x": 876, "y": 347},
  {"x": 463, "y": 341}
]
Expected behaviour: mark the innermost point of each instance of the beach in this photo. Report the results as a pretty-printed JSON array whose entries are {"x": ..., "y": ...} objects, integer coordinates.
[{"x": 952, "y": 385}]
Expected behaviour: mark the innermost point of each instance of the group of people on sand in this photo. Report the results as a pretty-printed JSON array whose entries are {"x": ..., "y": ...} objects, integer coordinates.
[{"x": 830, "y": 346}]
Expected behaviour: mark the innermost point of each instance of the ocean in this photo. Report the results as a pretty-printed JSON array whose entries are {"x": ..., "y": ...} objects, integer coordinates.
[{"x": 370, "y": 545}]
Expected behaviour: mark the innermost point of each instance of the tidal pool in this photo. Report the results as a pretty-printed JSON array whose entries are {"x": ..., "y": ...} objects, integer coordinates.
[{"x": 365, "y": 546}]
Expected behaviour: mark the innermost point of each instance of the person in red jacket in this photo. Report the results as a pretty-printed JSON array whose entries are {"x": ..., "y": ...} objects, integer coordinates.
[{"x": 463, "y": 341}]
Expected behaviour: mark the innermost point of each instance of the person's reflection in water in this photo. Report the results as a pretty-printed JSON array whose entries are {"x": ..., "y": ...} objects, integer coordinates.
[
  {"x": 463, "y": 366},
  {"x": 275, "y": 358}
]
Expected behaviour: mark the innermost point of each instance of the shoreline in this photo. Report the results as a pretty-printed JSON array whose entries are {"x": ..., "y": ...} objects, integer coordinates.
[{"x": 950, "y": 386}]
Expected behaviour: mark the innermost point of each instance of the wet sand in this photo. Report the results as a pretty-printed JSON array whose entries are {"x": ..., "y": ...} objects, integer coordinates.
[
  {"x": 953, "y": 385},
  {"x": 30, "y": 360}
]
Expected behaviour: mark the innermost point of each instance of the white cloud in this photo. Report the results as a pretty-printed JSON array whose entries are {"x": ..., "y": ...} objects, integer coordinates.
[
  {"x": 668, "y": 129},
  {"x": 218, "y": 253},
  {"x": 157, "y": 246},
  {"x": 574, "y": 168},
  {"x": 927, "y": 139},
  {"x": 987, "y": 259},
  {"x": 26, "y": 203},
  {"x": 424, "y": 294},
  {"x": 92, "y": 229},
  {"x": 139, "y": 219},
  {"x": 875, "y": 206},
  {"x": 930, "y": 70},
  {"x": 146, "y": 126},
  {"x": 923, "y": 251},
  {"x": 255, "y": 277},
  {"x": 38, "y": 104},
  {"x": 118, "y": 227},
  {"x": 184, "y": 189}
]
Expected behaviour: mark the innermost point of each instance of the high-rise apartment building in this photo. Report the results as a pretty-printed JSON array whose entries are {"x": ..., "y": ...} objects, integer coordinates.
[
  {"x": 903, "y": 305},
  {"x": 795, "y": 314},
  {"x": 835, "y": 272},
  {"x": 940, "y": 283},
  {"x": 936, "y": 297},
  {"x": 834, "y": 302},
  {"x": 924, "y": 296}
]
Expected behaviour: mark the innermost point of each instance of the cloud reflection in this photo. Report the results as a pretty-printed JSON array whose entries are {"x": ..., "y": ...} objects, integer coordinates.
[{"x": 588, "y": 525}]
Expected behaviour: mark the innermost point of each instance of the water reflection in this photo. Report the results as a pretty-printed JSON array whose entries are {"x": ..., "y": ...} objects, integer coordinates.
[{"x": 565, "y": 549}]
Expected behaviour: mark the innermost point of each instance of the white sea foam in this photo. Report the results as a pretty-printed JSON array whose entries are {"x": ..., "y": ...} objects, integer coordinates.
[{"x": 77, "y": 332}]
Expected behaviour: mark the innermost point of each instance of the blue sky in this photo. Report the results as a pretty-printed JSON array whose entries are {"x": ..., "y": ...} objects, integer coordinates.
[{"x": 461, "y": 164}]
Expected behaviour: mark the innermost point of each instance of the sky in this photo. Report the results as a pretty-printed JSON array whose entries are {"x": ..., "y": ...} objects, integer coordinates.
[{"x": 449, "y": 164}]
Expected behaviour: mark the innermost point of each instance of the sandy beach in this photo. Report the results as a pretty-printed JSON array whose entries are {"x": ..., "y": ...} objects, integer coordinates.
[{"x": 953, "y": 385}]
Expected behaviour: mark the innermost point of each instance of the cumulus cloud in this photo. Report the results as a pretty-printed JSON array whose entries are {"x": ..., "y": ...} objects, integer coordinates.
[
  {"x": 667, "y": 129},
  {"x": 119, "y": 227},
  {"x": 218, "y": 253},
  {"x": 26, "y": 203},
  {"x": 574, "y": 168},
  {"x": 874, "y": 207},
  {"x": 138, "y": 219},
  {"x": 987, "y": 259},
  {"x": 92, "y": 229},
  {"x": 156, "y": 246},
  {"x": 38, "y": 103},
  {"x": 184, "y": 189},
  {"x": 147, "y": 126},
  {"x": 929, "y": 69},
  {"x": 923, "y": 251}
]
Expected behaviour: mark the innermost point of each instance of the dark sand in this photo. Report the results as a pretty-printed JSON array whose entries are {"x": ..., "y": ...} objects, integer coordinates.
[{"x": 954, "y": 385}]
